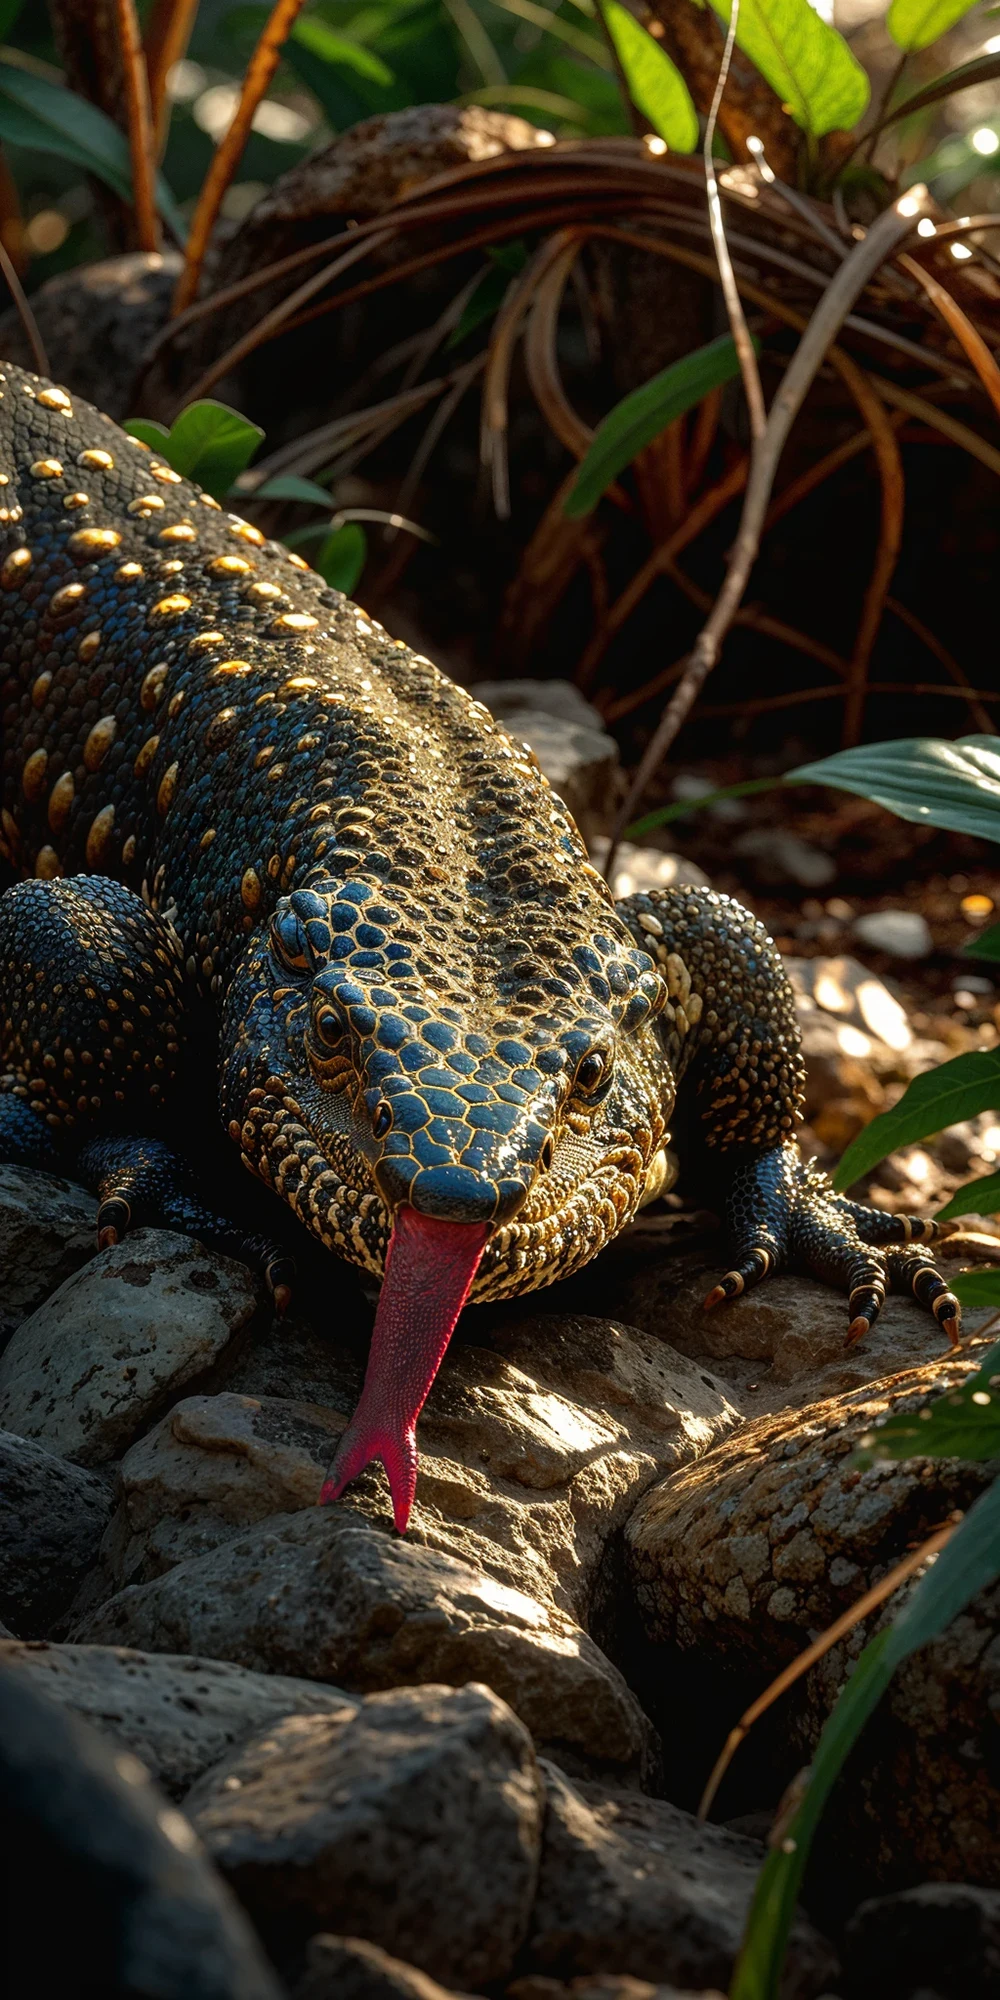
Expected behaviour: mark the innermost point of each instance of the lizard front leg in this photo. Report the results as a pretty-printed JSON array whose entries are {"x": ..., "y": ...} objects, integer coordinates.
[{"x": 731, "y": 1038}]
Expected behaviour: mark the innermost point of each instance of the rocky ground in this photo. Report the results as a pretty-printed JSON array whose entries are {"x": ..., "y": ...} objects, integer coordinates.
[{"x": 466, "y": 1762}]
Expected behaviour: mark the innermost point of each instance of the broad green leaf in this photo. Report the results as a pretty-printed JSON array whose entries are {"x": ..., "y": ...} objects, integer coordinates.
[
  {"x": 342, "y": 556},
  {"x": 805, "y": 60},
  {"x": 288, "y": 486},
  {"x": 640, "y": 417},
  {"x": 943, "y": 1096},
  {"x": 977, "y": 1288},
  {"x": 963, "y": 1423},
  {"x": 980, "y": 1197},
  {"x": 655, "y": 85},
  {"x": 50, "y": 119},
  {"x": 208, "y": 442},
  {"x": 915, "y": 24},
  {"x": 921, "y": 778},
  {"x": 986, "y": 945},
  {"x": 662, "y": 815},
  {"x": 969, "y": 1562}
]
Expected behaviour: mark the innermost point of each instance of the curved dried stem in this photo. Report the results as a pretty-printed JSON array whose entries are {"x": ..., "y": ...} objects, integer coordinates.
[
  {"x": 168, "y": 31},
  {"x": 140, "y": 126},
  {"x": 260, "y": 70},
  {"x": 808, "y": 1657},
  {"x": 762, "y": 621},
  {"x": 939, "y": 420},
  {"x": 25, "y": 314},
  {"x": 540, "y": 352},
  {"x": 703, "y": 434},
  {"x": 499, "y": 358},
  {"x": 734, "y": 308},
  {"x": 890, "y": 470},
  {"x": 980, "y": 715},
  {"x": 960, "y": 325},
  {"x": 822, "y": 469}
]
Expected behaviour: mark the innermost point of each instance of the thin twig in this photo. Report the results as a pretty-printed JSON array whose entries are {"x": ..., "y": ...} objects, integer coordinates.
[
  {"x": 792, "y": 699},
  {"x": 890, "y": 229},
  {"x": 980, "y": 715},
  {"x": 960, "y": 325},
  {"x": 168, "y": 31},
  {"x": 893, "y": 484},
  {"x": 140, "y": 126},
  {"x": 808, "y": 1657},
  {"x": 27, "y": 317},
  {"x": 260, "y": 70},
  {"x": 540, "y": 355},
  {"x": 939, "y": 420},
  {"x": 737, "y": 322}
]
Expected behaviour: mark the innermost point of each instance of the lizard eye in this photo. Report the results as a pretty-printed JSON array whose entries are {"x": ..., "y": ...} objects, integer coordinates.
[
  {"x": 382, "y": 1120},
  {"x": 288, "y": 940},
  {"x": 329, "y": 1025},
  {"x": 594, "y": 1072}
]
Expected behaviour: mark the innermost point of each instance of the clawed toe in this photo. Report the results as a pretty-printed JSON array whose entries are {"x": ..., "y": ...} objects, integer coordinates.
[{"x": 754, "y": 1267}]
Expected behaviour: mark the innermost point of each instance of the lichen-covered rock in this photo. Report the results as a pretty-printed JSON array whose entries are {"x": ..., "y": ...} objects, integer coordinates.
[
  {"x": 776, "y": 1533},
  {"x": 48, "y": 1228},
  {"x": 53, "y": 1515},
  {"x": 178, "y": 1715},
  {"x": 634, "y": 1885},
  {"x": 333, "y": 1596},
  {"x": 119, "y": 1340},
  {"x": 416, "y": 1820}
]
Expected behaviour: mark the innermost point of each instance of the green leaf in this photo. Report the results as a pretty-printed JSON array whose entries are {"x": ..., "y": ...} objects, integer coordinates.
[
  {"x": 982, "y": 69},
  {"x": 921, "y": 778},
  {"x": 655, "y": 85},
  {"x": 640, "y": 417},
  {"x": 977, "y": 1288},
  {"x": 342, "y": 556},
  {"x": 963, "y": 1423},
  {"x": 915, "y": 24},
  {"x": 980, "y": 1197},
  {"x": 208, "y": 442},
  {"x": 288, "y": 486},
  {"x": 943, "y": 1096},
  {"x": 52, "y": 120},
  {"x": 339, "y": 50},
  {"x": 805, "y": 60},
  {"x": 986, "y": 945},
  {"x": 968, "y": 1563}
]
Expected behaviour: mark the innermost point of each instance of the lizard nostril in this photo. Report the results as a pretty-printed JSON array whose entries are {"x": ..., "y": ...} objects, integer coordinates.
[
  {"x": 382, "y": 1119},
  {"x": 547, "y": 1154}
]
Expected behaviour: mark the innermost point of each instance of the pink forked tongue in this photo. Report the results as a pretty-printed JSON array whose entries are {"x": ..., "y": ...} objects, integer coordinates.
[{"x": 429, "y": 1269}]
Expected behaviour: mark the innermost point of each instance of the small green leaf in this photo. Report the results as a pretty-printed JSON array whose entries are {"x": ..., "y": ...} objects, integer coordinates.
[
  {"x": 208, "y": 442},
  {"x": 980, "y": 1197},
  {"x": 655, "y": 85},
  {"x": 640, "y": 417},
  {"x": 982, "y": 69},
  {"x": 288, "y": 486},
  {"x": 977, "y": 1288},
  {"x": 50, "y": 119},
  {"x": 805, "y": 60},
  {"x": 986, "y": 945},
  {"x": 943, "y": 1096},
  {"x": 921, "y": 778},
  {"x": 339, "y": 50},
  {"x": 342, "y": 556},
  {"x": 915, "y": 24},
  {"x": 963, "y": 1423}
]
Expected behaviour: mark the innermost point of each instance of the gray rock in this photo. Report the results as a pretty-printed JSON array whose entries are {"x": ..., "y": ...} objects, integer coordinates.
[
  {"x": 637, "y": 870},
  {"x": 349, "y": 1968},
  {"x": 48, "y": 1228},
  {"x": 634, "y": 1885},
  {"x": 778, "y": 858},
  {"x": 106, "y": 1886},
  {"x": 95, "y": 320},
  {"x": 328, "y": 1594},
  {"x": 178, "y": 1715},
  {"x": 416, "y": 1820},
  {"x": 54, "y": 1516},
  {"x": 118, "y": 1341},
  {"x": 942, "y": 1935},
  {"x": 900, "y": 933}
]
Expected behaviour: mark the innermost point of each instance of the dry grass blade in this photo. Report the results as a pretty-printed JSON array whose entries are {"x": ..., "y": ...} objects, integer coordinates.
[
  {"x": 799, "y": 1666},
  {"x": 861, "y": 263},
  {"x": 737, "y": 323},
  {"x": 260, "y": 70},
  {"x": 27, "y": 317},
  {"x": 559, "y": 545},
  {"x": 939, "y": 420},
  {"x": 168, "y": 31},
  {"x": 796, "y": 695},
  {"x": 540, "y": 352},
  {"x": 890, "y": 469},
  {"x": 140, "y": 126},
  {"x": 500, "y": 355},
  {"x": 961, "y": 326}
]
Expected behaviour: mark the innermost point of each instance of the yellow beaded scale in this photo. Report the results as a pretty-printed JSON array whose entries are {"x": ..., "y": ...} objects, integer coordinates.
[{"x": 237, "y": 814}]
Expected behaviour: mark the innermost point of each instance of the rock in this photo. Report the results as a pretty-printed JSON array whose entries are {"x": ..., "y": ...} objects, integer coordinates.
[
  {"x": 330, "y": 1595},
  {"x": 899, "y": 933},
  {"x": 349, "y": 1968},
  {"x": 54, "y": 1516},
  {"x": 844, "y": 988},
  {"x": 96, "y": 320},
  {"x": 688, "y": 787},
  {"x": 775, "y": 1534},
  {"x": 106, "y": 1887},
  {"x": 118, "y": 1340},
  {"x": 178, "y": 1715},
  {"x": 559, "y": 698},
  {"x": 578, "y": 757},
  {"x": 635, "y": 1885},
  {"x": 416, "y": 1819},
  {"x": 48, "y": 1228},
  {"x": 637, "y": 870},
  {"x": 778, "y": 858},
  {"x": 942, "y": 1935},
  {"x": 601, "y": 1986}
]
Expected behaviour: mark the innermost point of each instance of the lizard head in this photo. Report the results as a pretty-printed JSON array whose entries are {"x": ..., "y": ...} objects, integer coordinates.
[{"x": 477, "y": 1117}]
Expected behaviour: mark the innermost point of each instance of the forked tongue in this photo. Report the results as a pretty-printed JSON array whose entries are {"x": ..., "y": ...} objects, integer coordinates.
[{"x": 429, "y": 1269}]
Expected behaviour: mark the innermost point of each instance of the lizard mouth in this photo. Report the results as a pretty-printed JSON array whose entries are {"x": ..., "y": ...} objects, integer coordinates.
[{"x": 429, "y": 1269}]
